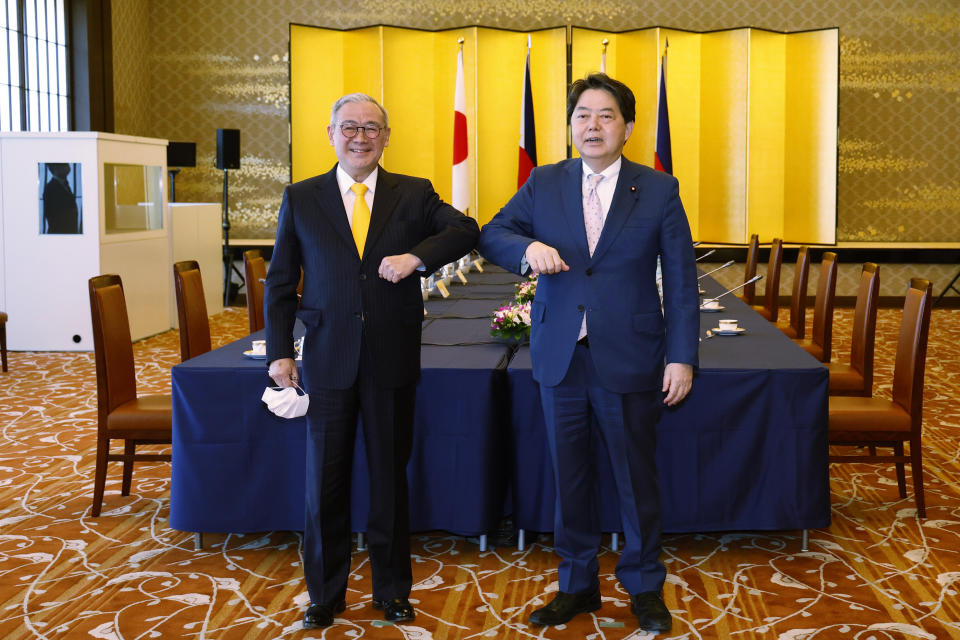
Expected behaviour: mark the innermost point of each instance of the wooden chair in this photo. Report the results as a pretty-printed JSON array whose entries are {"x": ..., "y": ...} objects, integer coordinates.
[
  {"x": 749, "y": 293},
  {"x": 796, "y": 327},
  {"x": 856, "y": 378},
  {"x": 3, "y": 340},
  {"x": 820, "y": 343},
  {"x": 255, "y": 271},
  {"x": 875, "y": 422},
  {"x": 771, "y": 291},
  {"x": 121, "y": 414},
  {"x": 191, "y": 309}
]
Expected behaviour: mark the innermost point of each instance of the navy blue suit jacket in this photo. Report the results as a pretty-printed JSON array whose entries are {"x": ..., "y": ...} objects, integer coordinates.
[
  {"x": 344, "y": 299},
  {"x": 631, "y": 338}
]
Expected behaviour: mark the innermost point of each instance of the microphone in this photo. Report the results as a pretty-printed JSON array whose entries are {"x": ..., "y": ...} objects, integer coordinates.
[
  {"x": 739, "y": 286},
  {"x": 723, "y": 266},
  {"x": 705, "y": 255}
]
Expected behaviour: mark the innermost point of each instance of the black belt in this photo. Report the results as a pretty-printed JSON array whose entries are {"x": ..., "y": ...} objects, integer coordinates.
[{"x": 584, "y": 341}]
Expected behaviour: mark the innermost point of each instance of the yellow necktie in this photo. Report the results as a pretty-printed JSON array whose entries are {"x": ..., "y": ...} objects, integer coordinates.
[{"x": 361, "y": 216}]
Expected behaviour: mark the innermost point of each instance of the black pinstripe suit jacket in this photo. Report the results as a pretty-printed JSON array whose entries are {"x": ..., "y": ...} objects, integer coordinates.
[{"x": 343, "y": 297}]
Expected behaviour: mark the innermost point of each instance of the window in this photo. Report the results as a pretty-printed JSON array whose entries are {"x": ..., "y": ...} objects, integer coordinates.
[{"x": 33, "y": 66}]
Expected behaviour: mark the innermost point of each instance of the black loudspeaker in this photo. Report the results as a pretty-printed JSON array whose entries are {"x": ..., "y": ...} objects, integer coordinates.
[
  {"x": 228, "y": 148},
  {"x": 181, "y": 154}
]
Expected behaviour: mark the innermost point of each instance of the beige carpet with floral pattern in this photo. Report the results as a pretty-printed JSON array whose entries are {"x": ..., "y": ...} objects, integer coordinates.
[{"x": 878, "y": 572}]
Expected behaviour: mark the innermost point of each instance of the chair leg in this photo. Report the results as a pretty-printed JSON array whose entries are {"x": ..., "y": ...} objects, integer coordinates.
[
  {"x": 916, "y": 470},
  {"x": 129, "y": 448},
  {"x": 901, "y": 475},
  {"x": 100, "y": 473},
  {"x": 3, "y": 345}
]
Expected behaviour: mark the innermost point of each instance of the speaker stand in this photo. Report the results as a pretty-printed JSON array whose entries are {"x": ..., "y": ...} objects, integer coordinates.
[
  {"x": 173, "y": 176},
  {"x": 949, "y": 287},
  {"x": 228, "y": 267}
]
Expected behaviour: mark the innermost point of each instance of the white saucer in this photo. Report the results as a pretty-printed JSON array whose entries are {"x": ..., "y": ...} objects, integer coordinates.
[
  {"x": 728, "y": 332},
  {"x": 254, "y": 356},
  {"x": 712, "y": 309}
]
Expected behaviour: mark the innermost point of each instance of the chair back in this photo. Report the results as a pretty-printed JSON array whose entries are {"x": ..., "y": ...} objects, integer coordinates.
[
  {"x": 865, "y": 325},
  {"x": 798, "y": 298},
  {"x": 112, "y": 346},
  {"x": 191, "y": 309},
  {"x": 771, "y": 292},
  {"x": 750, "y": 290},
  {"x": 254, "y": 272},
  {"x": 912, "y": 349},
  {"x": 823, "y": 306}
]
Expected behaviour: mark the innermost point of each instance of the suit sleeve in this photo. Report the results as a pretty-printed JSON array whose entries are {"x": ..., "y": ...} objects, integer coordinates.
[
  {"x": 450, "y": 234},
  {"x": 504, "y": 240},
  {"x": 280, "y": 293},
  {"x": 681, "y": 308}
]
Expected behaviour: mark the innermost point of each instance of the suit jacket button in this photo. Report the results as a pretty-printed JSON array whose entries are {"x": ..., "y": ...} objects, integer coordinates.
[
  {"x": 356, "y": 314},
  {"x": 589, "y": 272},
  {"x": 579, "y": 307}
]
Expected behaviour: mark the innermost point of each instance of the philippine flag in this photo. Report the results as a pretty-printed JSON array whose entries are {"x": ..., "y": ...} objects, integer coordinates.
[
  {"x": 528, "y": 136},
  {"x": 663, "y": 156}
]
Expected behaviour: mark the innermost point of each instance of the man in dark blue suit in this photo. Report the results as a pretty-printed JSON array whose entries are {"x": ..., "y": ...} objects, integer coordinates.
[
  {"x": 360, "y": 236},
  {"x": 607, "y": 355}
]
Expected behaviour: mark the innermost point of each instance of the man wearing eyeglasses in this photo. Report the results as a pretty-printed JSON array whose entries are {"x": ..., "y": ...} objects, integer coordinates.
[{"x": 360, "y": 234}]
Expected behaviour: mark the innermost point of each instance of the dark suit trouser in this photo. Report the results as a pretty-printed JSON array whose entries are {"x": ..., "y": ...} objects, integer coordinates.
[
  {"x": 387, "y": 416},
  {"x": 627, "y": 428}
]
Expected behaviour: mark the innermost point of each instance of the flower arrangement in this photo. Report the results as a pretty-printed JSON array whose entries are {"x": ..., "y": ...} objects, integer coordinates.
[{"x": 512, "y": 320}]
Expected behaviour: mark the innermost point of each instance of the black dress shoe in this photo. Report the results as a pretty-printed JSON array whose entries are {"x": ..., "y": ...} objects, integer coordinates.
[
  {"x": 651, "y": 613},
  {"x": 321, "y": 615},
  {"x": 396, "y": 610},
  {"x": 565, "y": 606}
]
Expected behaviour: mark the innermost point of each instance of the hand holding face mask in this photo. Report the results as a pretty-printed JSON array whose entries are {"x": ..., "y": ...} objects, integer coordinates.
[{"x": 285, "y": 402}]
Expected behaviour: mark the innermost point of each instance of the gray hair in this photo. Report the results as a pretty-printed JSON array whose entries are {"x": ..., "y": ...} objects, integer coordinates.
[{"x": 356, "y": 97}]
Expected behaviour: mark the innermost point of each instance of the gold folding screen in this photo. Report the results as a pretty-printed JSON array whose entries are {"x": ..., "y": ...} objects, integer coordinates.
[{"x": 753, "y": 113}]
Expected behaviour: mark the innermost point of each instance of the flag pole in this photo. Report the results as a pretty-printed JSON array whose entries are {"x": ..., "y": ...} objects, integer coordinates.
[{"x": 603, "y": 55}]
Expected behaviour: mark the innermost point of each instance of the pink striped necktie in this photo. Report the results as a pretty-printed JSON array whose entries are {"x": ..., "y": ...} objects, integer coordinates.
[{"x": 592, "y": 211}]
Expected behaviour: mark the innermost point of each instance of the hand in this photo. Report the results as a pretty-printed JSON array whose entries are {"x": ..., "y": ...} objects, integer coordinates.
[
  {"x": 544, "y": 259},
  {"x": 677, "y": 381},
  {"x": 396, "y": 268},
  {"x": 284, "y": 372}
]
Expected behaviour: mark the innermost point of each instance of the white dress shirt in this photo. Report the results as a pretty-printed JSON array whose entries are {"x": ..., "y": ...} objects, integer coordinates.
[{"x": 345, "y": 182}]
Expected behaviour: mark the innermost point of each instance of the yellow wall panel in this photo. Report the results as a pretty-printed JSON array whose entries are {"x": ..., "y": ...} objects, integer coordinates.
[
  {"x": 410, "y": 92},
  {"x": 638, "y": 61},
  {"x": 549, "y": 94},
  {"x": 311, "y": 96},
  {"x": 723, "y": 135},
  {"x": 811, "y": 136},
  {"x": 500, "y": 65},
  {"x": 765, "y": 176}
]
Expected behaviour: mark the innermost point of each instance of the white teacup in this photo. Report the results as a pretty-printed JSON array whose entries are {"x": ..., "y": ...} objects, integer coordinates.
[
  {"x": 259, "y": 347},
  {"x": 711, "y": 304},
  {"x": 728, "y": 324}
]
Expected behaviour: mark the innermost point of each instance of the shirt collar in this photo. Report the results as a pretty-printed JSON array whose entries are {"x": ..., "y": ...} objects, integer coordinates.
[
  {"x": 610, "y": 173},
  {"x": 344, "y": 181}
]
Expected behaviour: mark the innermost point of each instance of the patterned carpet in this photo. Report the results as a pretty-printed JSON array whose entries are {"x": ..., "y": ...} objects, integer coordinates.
[{"x": 876, "y": 573}]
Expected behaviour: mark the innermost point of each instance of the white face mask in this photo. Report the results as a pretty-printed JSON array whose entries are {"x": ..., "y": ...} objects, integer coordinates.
[{"x": 285, "y": 401}]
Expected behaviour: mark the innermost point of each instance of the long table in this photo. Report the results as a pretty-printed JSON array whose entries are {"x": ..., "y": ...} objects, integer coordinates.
[
  {"x": 747, "y": 450},
  {"x": 238, "y": 468}
]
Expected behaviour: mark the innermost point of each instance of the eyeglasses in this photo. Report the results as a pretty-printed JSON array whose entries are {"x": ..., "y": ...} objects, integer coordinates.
[{"x": 370, "y": 131}]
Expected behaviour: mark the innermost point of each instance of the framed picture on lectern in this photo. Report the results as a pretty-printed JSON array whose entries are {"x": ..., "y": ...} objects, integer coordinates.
[{"x": 61, "y": 200}]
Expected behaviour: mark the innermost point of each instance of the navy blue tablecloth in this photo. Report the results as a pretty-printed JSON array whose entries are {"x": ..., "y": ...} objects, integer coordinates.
[
  {"x": 746, "y": 450},
  {"x": 239, "y": 468}
]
